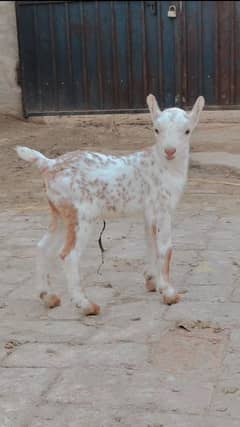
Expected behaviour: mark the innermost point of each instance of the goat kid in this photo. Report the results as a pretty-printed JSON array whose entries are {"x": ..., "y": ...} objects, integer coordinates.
[{"x": 83, "y": 187}]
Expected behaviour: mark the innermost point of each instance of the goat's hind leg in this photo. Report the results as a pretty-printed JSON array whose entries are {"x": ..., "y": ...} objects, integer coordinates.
[
  {"x": 73, "y": 267},
  {"x": 47, "y": 251}
]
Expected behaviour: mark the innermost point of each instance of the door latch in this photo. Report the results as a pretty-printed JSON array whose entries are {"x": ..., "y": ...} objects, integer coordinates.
[{"x": 153, "y": 7}]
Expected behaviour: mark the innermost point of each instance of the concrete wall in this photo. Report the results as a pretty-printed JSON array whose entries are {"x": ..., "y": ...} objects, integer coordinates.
[{"x": 10, "y": 93}]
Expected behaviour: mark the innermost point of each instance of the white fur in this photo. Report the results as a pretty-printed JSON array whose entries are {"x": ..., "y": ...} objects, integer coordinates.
[
  {"x": 34, "y": 156},
  {"x": 99, "y": 186}
]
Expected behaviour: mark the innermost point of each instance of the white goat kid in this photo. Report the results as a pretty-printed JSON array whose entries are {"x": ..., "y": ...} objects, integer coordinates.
[{"x": 82, "y": 187}]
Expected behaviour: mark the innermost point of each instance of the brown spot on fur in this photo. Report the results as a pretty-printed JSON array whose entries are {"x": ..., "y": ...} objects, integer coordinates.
[
  {"x": 154, "y": 230},
  {"x": 69, "y": 215},
  {"x": 171, "y": 300},
  {"x": 150, "y": 284},
  {"x": 92, "y": 310},
  {"x": 70, "y": 242},
  {"x": 42, "y": 295},
  {"x": 167, "y": 265},
  {"x": 50, "y": 300},
  {"x": 55, "y": 216}
]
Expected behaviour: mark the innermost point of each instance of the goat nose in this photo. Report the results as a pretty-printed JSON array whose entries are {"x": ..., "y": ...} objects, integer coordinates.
[{"x": 170, "y": 152}]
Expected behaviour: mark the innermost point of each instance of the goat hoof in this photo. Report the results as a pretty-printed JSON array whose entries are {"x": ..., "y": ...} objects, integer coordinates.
[
  {"x": 92, "y": 310},
  {"x": 50, "y": 300},
  {"x": 150, "y": 284},
  {"x": 171, "y": 299}
]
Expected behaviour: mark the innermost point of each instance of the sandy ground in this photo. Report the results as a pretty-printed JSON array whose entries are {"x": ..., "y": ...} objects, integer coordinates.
[{"x": 139, "y": 363}]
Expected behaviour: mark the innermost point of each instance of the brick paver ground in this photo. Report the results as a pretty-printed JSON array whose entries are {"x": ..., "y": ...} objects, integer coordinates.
[{"x": 140, "y": 363}]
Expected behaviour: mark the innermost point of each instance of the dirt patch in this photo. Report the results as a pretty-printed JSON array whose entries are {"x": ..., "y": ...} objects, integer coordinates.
[
  {"x": 189, "y": 325},
  {"x": 179, "y": 351}
]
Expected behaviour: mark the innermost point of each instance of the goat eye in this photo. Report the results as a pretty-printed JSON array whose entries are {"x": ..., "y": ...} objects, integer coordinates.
[
  {"x": 187, "y": 132},
  {"x": 156, "y": 130}
]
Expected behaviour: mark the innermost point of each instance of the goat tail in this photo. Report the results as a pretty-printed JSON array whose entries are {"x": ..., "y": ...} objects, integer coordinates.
[{"x": 34, "y": 156}]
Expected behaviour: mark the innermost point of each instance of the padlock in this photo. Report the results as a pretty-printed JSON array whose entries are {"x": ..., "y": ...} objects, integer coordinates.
[{"x": 172, "y": 11}]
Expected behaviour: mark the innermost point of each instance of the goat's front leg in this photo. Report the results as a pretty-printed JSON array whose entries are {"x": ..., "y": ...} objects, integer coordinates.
[
  {"x": 163, "y": 245},
  {"x": 150, "y": 272}
]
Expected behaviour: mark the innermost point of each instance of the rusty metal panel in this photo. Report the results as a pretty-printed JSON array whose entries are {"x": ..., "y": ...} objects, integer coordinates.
[
  {"x": 79, "y": 56},
  {"x": 224, "y": 51},
  {"x": 236, "y": 50},
  {"x": 211, "y": 62},
  {"x": 193, "y": 48},
  {"x": 199, "y": 44},
  {"x": 208, "y": 48},
  {"x": 91, "y": 56}
]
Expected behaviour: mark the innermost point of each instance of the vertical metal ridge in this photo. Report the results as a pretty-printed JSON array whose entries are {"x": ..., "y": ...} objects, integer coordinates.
[
  {"x": 99, "y": 56},
  {"x": 115, "y": 55},
  {"x": 186, "y": 56},
  {"x": 130, "y": 101},
  {"x": 158, "y": 80},
  {"x": 69, "y": 47},
  {"x": 217, "y": 84},
  {"x": 39, "y": 88},
  {"x": 230, "y": 53},
  {"x": 85, "y": 75},
  {"x": 160, "y": 50},
  {"x": 178, "y": 40},
  {"x": 145, "y": 77},
  {"x": 54, "y": 65},
  {"x": 233, "y": 55},
  {"x": 200, "y": 49}
]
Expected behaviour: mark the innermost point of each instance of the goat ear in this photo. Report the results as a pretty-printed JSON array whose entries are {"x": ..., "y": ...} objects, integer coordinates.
[
  {"x": 196, "y": 110},
  {"x": 153, "y": 107}
]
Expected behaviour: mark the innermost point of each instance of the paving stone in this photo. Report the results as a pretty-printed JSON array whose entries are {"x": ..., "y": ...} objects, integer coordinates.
[
  {"x": 171, "y": 353},
  {"x": 138, "y": 388},
  {"x": 20, "y": 390},
  {"x": 45, "y": 331},
  {"x": 226, "y": 397},
  {"x": 226, "y": 314},
  {"x": 235, "y": 340},
  {"x": 74, "y": 415},
  {"x": 203, "y": 293},
  {"x": 69, "y": 355}
]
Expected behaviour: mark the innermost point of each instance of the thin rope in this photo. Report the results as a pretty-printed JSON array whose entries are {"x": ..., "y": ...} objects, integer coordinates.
[{"x": 101, "y": 247}]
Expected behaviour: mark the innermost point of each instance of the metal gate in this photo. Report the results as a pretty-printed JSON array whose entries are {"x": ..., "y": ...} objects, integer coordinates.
[
  {"x": 91, "y": 57},
  {"x": 211, "y": 52}
]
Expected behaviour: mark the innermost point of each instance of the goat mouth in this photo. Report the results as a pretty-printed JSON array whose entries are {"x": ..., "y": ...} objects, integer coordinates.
[{"x": 170, "y": 157}]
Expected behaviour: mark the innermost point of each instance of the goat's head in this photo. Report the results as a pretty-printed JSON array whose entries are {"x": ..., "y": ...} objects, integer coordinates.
[{"x": 173, "y": 126}]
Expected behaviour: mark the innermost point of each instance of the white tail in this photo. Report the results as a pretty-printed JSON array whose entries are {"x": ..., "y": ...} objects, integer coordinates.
[{"x": 33, "y": 156}]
